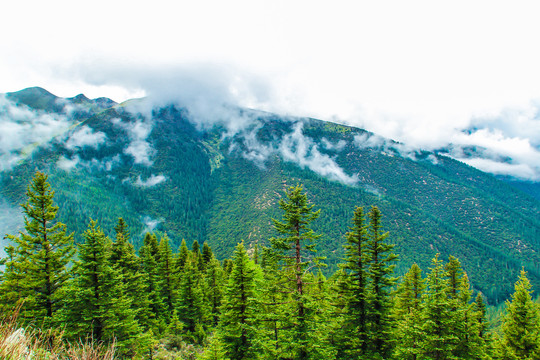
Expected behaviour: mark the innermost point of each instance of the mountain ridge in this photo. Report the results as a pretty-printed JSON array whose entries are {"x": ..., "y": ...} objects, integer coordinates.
[{"x": 219, "y": 180}]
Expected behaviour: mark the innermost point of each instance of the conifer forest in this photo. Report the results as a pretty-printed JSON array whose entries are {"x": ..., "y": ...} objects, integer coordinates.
[{"x": 273, "y": 300}]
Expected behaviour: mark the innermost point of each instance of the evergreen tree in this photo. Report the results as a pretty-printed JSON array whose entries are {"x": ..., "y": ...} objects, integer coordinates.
[
  {"x": 124, "y": 260},
  {"x": 97, "y": 306},
  {"x": 167, "y": 274},
  {"x": 12, "y": 286},
  {"x": 437, "y": 317},
  {"x": 37, "y": 267},
  {"x": 214, "y": 284},
  {"x": 192, "y": 310},
  {"x": 153, "y": 282},
  {"x": 240, "y": 309},
  {"x": 181, "y": 257},
  {"x": 353, "y": 288},
  {"x": 407, "y": 313},
  {"x": 294, "y": 250},
  {"x": 196, "y": 251},
  {"x": 520, "y": 327},
  {"x": 469, "y": 345},
  {"x": 256, "y": 254},
  {"x": 480, "y": 311},
  {"x": 207, "y": 254},
  {"x": 380, "y": 257}
]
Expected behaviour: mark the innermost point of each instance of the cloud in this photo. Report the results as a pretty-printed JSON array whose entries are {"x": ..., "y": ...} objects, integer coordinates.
[
  {"x": 104, "y": 164},
  {"x": 297, "y": 148},
  {"x": 85, "y": 136},
  {"x": 23, "y": 129},
  {"x": 153, "y": 180},
  {"x": 139, "y": 148},
  {"x": 11, "y": 222},
  {"x": 338, "y": 146},
  {"x": 212, "y": 95},
  {"x": 150, "y": 224},
  {"x": 68, "y": 164},
  {"x": 522, "y": 171}
]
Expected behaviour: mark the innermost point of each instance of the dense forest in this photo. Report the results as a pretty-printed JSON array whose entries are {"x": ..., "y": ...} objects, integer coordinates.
[
  {"x": 265, "y": 302},
  {"x": 219, "y": 180}
]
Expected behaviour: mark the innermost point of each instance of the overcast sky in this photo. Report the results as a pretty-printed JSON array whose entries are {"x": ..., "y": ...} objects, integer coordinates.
[{"x": 420, "y": 72}]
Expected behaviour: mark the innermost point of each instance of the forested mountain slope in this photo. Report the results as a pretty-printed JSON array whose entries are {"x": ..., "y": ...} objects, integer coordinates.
[{"x": 219, "y": 178}]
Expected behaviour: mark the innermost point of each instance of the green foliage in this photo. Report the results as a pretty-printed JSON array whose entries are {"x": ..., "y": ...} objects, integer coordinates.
[
  {"x": 438, "y": 205},
  {"x": 97, "y": 304},
  {"x": 293, "y": 252},
  {"x": 520, "y": 327},
  {"x": 36, "y": 272},
  {"x": 408, "y": 331},
  {"x": 238, "y": 322}
]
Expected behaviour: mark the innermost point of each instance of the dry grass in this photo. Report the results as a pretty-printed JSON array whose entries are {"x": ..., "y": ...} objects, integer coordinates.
[{"x": 17, "y": 343}]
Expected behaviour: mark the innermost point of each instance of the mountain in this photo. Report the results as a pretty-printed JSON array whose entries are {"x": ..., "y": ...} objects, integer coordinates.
[{"x": 216, "y": 173}]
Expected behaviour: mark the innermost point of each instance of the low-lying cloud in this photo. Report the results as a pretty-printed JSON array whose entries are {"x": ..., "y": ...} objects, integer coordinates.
[
  {"x": 297, "y": 148},
  {"x": 85, "y": 136},
  {"x": 23, "y": 129},
  {"x": 151, "y": 181},
  {"x": 211, "y": 95},
  {"x": 139, "y": 147}
]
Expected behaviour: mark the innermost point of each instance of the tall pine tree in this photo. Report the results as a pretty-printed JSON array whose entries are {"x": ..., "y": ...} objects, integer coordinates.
[
  {"x": 294, "y": 250},
  {"x": 408, "y": 331},
  {"x": 381, "y": 260},
  {"x": 238, "y": 321},
  {"x": 97, "y": 305},
  {"x": 521, "y": 325},
  {"x": 353, "y": 288},
  {"x": 38, "y": 261}
]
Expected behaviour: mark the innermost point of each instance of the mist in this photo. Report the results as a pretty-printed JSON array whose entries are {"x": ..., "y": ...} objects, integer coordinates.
[{"x": 22, "y": 130}]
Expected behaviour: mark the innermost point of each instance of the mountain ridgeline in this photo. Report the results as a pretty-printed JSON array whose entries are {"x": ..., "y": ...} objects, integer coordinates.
[{"x": 218, "y": 175}]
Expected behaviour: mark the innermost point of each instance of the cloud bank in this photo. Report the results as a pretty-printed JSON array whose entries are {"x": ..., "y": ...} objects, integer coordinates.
[
  {"x": 23, "y": 129},
  {"x": 85, "y": 136}
]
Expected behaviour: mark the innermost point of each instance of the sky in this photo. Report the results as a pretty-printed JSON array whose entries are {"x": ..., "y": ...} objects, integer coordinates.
[{"x": 431, "y": 74}]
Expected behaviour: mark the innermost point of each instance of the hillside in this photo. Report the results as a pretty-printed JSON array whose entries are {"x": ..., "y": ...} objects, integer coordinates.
[{"x": 218, "y": 179}]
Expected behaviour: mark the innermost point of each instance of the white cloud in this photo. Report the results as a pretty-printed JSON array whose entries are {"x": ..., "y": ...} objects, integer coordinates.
[
  {"x": 68, "y": 164},
  {"x": 150, "y": 224},
  {"x": 85, "y": 136},
  {"x": 105, "y": 164},
  {"x": 23, "y": 129},
  {"x": 418, "y": 72},
  {"x": 522, "y": 171},
  {"x": 297, "y": 148},
  {"x": 153, "y": 180},
  {"x": 139, "y": 148}
]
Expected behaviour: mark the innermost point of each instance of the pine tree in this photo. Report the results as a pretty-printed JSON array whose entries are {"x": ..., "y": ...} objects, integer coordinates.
[
  {"x": 437, "y": 317},
  {"x": 294, "y": 250},
  {"x": 167, "y": 274},
  {"x": 380, "y": 257},
  {"x": 192, "y": 310},
  {"x": 181, "y": 257},
  {"x": 407, "y": 313},
  {"x": 207, "y": 254},
  {"x": 464, "y": 327},
  {"x": 38, "y": 261},
  {"x": 480, "y": 311},
  {"x": 153, "y": 282},
  {"x": 353, "y": 288},
  {"x": 521, "y": 325},
  {"x": 124, "y": 260},
  {"x": 12, "y": 284},
  {"x": 196, "y": 250},
  {"x": 214, "y": 284},
  {"x": 97, "y": 306},
  {"x": 239, "y": 313}
]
